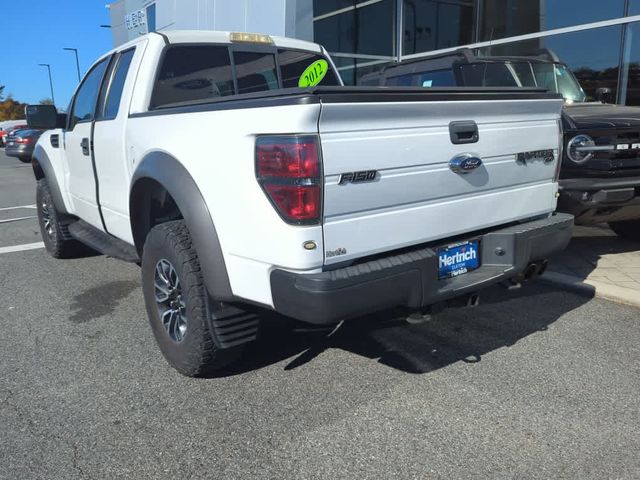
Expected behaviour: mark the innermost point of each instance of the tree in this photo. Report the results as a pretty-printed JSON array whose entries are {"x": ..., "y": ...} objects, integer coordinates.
[
  {"x": 11, "y": 109},
  {"x": 46, "y": 101}
]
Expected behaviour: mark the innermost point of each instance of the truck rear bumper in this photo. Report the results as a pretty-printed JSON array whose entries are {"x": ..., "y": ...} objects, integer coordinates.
[
  {"x": 594, "y": 200},
  {"x": 411, "y": 279}
]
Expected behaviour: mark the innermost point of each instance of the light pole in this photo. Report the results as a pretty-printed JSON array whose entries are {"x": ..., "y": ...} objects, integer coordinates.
[
  {"x": 53, "y": 99},
  {"x": 75, "y": 50}
]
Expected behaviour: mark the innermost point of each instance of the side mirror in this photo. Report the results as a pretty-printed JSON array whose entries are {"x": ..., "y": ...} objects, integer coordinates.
[
  {"x": 604, "y": 95},
  {"x": 44, "y": 117}
]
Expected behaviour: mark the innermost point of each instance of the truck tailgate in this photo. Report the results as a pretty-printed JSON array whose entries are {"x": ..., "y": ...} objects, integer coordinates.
[{"x": 410, "y": 195}]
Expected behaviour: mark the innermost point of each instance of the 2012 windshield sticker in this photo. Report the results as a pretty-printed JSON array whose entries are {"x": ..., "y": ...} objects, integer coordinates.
[{"x": 313, "y": 74}]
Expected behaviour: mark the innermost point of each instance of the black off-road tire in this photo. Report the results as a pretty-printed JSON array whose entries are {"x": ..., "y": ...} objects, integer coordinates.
[
  {"x": 54, "y": 226},
  {"x": 629, "y": 230},
  {"x": 195, "y": 353}
]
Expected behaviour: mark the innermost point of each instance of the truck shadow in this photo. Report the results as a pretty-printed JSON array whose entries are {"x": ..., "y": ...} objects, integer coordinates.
[
  {"x": 466, "y": 335},
  {"x": 589, "y": 248}
]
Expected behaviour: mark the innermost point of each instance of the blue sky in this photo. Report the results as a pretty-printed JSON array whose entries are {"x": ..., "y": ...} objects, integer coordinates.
[{"x": 35, "y": 31}]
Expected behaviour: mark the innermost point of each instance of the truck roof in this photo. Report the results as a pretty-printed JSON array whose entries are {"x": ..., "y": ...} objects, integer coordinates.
[{"x": 213, "y": 36}]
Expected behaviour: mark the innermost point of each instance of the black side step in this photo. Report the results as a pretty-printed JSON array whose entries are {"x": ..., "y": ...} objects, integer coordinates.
[{"x": 103, "y": 242}]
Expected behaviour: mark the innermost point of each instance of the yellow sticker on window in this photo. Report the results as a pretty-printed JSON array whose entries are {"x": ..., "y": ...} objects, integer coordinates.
[{"x": 313, "y": 74}]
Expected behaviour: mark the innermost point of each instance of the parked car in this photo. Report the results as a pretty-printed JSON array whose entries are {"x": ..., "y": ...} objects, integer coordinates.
[
  {"x": 600, "y": 177},
  {"x": 293, "y": 193},
  {"x": 21, "y": 144},
  {"x": 8, "y": 129}
]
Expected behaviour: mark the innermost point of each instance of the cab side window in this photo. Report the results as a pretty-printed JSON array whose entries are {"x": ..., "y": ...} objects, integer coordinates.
[
  {"x": 109, "y": 108},
  {"x": 84, "y": 104}
]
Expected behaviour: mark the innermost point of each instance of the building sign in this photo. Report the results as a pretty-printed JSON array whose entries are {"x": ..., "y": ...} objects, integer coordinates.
[{"x": 135, "y": 19}]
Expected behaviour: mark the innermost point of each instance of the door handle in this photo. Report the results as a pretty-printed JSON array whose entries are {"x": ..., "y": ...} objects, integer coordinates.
[
  {"x": 85, "y": 147},
  {"x": 463, "y": 132}
]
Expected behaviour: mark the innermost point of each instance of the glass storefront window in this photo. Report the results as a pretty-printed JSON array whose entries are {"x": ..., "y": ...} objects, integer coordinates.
[
  {"x": 368, "y": 30},
  {"x": 508, "y": 18},
  {"x": 353, "y": 69},
  {"x": 151, "y": 18},
  {"x": 434, "y": 24},
  {"x": 634, "y": 7},
  {"x": 632, "y": 65},
  {"x": 321, "y": 7},
  {"x": 593, "y": 55}
]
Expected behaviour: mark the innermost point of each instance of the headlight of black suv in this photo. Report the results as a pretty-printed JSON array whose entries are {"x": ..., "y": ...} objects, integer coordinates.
[{"x": 580, "y": 148}]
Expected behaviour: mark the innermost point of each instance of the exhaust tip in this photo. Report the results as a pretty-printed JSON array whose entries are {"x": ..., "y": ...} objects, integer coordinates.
[
  {"x": 474, "y": 300},
  {"x": 543, "y": 267},
  {"x": 531, "y": 271}
]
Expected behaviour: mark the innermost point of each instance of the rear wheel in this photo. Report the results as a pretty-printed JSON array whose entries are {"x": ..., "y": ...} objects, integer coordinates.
[
  {"x": 176, "y": 302},
  {"x": 629, "y": 230},
  {"x": 53, "y": 226},
  {"x": 25, "y": 159}
]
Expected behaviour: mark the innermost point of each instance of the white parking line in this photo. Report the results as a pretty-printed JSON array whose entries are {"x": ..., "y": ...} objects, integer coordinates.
[
  {"x": 4, "y": 209},
  {"x": 22, "y": 248},
  {"x": 16, "y": 219}
]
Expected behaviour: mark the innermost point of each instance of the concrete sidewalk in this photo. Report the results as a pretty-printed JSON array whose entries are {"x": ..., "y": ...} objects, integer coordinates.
[{"x": 598, "y": 262}]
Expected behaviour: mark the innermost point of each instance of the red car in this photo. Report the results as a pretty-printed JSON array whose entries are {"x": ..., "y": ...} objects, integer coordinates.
[{"x": 6, "y": 132}]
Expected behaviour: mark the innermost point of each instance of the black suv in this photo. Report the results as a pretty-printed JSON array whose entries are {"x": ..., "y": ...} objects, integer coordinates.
[{"x": 600, "y": 176}]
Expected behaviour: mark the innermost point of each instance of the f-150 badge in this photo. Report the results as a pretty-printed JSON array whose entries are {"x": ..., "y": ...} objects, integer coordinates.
[{"x": 358, "y": 177}]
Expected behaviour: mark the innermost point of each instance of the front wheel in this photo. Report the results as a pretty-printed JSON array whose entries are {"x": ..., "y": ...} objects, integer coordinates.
[
  {"x": 629, "y": 230},
  {"x": 53, "y": 226},
  {"x": 176, "y": 302}
]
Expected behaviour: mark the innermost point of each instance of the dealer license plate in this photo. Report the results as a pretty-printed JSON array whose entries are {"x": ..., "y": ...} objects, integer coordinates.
[{"x": 458, "y": 259}]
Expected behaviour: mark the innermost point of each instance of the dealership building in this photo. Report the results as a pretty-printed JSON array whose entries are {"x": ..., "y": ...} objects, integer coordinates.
[{"x": 598, "y": 39}]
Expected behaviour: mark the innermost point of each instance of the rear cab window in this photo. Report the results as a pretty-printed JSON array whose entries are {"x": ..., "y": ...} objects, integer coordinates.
[
  {"x": 255, "y": 72},
  {"x": 293, "y": 64},
  {"x": 191, "y": 74}
]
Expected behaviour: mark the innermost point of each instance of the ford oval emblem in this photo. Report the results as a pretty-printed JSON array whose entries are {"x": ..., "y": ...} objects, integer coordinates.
[{"x": 465, "y": 163}]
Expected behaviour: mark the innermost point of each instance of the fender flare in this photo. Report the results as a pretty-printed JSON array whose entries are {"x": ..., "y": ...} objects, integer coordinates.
[
  {"x": 42, "y": 168},
  {"x": 176, "y": 180}
]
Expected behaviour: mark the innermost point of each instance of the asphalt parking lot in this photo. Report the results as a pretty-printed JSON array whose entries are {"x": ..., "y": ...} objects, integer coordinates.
[{"x": 536, "y": 383}]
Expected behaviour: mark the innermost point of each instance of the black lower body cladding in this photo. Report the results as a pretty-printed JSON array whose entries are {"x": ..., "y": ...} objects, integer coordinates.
[
  {"x": 600, "y": 200},
  {"x": 411, "y": 279}
]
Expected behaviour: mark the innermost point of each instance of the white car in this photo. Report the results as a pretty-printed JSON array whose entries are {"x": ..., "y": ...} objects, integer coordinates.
[{"x": 244, "y": 177}]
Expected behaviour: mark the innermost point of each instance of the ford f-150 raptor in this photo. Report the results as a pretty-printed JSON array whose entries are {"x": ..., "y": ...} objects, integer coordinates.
[{"x": 242, "y": 176}]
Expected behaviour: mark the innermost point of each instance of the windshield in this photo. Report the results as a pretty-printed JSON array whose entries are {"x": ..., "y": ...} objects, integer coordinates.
[{"x": 558, "y": 79}]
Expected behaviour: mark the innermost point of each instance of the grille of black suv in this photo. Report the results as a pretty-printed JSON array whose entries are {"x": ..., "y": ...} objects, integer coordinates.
[{"x": 626, "y": 156}]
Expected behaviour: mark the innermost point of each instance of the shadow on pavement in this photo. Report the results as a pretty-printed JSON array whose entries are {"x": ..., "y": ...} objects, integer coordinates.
[
  {"x": 502, "y": 319},
  {"x": 587, "y": 249}
]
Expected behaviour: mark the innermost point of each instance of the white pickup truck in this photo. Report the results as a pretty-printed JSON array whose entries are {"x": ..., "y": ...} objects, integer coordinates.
[{"x": 242, "y": 176}]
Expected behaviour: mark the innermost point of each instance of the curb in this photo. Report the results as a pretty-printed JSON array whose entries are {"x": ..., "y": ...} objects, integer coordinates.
[{"x": 591, "y": 288}]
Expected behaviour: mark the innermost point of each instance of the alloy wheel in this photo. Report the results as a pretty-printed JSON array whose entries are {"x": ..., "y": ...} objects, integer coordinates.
[
  {"x": 171, "y": 305},
  {"x": 46, "y": 219}
]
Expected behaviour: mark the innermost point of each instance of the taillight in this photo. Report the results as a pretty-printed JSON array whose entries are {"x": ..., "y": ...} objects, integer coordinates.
[
  {"x": 23, "y": 140},
  {"x": 288, "y": 169}
]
